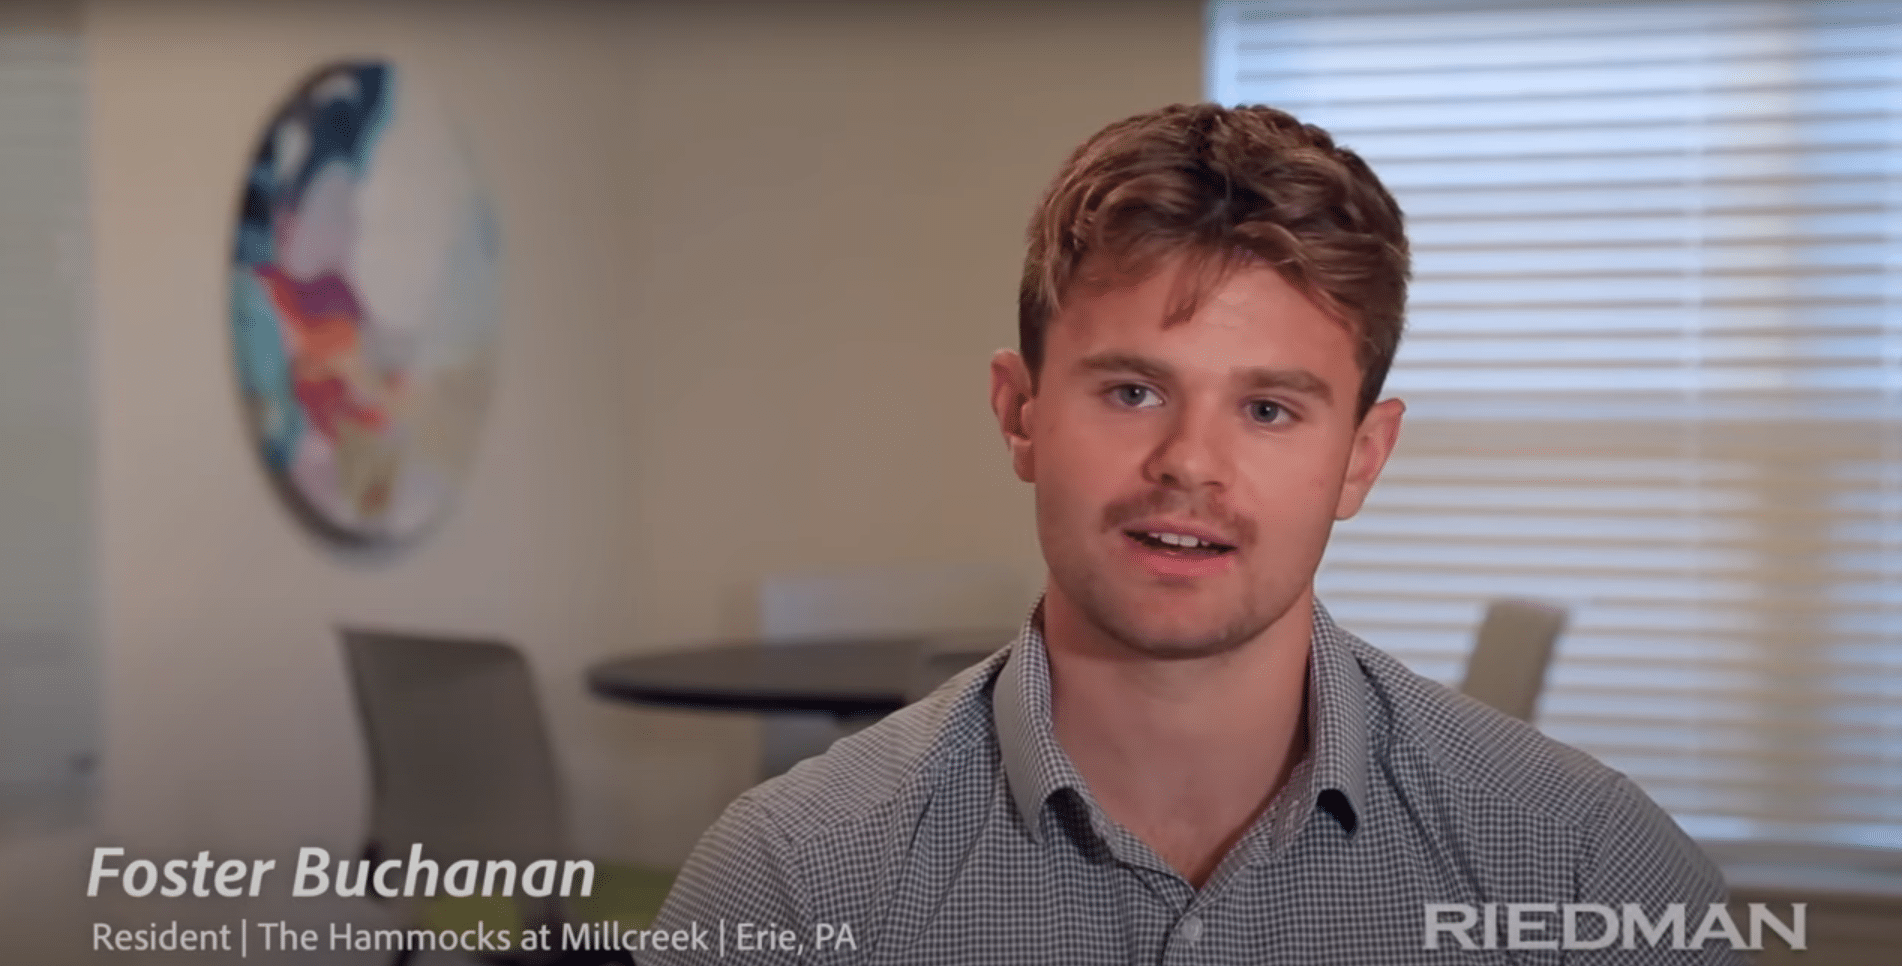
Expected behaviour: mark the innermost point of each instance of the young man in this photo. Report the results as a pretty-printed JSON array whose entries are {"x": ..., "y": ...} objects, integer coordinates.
[{"x": 1181, "y": 758}]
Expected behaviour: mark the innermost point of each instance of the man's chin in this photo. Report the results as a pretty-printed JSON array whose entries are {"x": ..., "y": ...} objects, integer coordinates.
[
  {"x": 1144, "y": 619},
  {"x": 1180, "y": 640}
]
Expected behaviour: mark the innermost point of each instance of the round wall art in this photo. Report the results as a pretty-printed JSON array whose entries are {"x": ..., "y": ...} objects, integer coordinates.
[{"x": 364, "y": 304}]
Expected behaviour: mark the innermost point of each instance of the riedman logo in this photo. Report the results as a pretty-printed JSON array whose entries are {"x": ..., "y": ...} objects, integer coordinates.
[{"x": 1585, "y": 925}]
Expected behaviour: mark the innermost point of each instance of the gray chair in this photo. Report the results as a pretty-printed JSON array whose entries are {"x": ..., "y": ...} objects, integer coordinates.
[
  {"x": 1506, "y": 669},
  {"x": 460, "y": 762}
]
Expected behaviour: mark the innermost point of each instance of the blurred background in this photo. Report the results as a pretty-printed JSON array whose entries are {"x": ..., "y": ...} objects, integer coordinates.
[{"x": 756, "y": 256}]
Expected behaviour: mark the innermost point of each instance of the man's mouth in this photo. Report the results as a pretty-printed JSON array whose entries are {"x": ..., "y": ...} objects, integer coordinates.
[{"x": 1178, "y": 544}]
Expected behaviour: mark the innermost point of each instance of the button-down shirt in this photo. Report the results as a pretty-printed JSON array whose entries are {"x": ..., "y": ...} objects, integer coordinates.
[{"x": 958, "y": 831}]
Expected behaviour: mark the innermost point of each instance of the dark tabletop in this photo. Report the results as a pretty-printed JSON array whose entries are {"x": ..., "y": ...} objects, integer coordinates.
[{"x": 844, "y": 677}]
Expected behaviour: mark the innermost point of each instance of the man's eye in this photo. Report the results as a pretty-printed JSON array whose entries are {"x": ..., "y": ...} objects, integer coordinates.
[
  {"x": 1135, "y": 397},
  {"x": 1264, "y": 411}
]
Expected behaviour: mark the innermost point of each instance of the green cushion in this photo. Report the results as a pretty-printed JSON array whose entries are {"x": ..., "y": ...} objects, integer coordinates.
[
  {"x": 464, "y": 912},
  {"x": 631, "y": 894}
]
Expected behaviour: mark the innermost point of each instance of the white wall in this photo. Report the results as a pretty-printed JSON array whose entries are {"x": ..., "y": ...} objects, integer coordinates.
[{"x": 756, "y": 258}]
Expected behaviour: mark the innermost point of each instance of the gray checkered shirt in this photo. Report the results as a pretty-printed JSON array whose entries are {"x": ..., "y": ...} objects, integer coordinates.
[{"x": 958, "y": 831}]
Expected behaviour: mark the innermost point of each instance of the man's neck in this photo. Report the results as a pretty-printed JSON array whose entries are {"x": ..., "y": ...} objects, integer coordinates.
[{"x": 1183, "y": 753}]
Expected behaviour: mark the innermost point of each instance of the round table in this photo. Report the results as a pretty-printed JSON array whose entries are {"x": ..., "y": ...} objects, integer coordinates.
[{"x": 845, "y": 677}]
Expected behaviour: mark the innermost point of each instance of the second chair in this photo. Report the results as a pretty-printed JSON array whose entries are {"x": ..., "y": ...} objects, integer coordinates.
[{"x": 460, "y": 762}]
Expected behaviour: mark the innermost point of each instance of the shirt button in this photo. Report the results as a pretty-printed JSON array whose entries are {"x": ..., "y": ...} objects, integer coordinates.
[{"x": 1192, "y": 929}]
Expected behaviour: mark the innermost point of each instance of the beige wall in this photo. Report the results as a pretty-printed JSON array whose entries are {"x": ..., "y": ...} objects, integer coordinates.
[
  {"x": 756, "y": 259},
  {"x": 228, "y": 723},
  {"x": 828, "y": 215}
]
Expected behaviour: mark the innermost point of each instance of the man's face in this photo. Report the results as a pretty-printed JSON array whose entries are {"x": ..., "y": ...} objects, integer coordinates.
[{"x": 1187, "y": 475}]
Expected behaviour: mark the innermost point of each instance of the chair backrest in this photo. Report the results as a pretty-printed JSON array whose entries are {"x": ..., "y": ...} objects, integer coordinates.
[
  {"x": 459, "y": 756},
  {"x": 1507, "y": 666},
  {"x": 897, "y": 600}
]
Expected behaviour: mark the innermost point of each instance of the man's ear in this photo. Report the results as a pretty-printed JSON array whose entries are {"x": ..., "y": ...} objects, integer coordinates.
[
  {"x": 1012, "y": 397},
  {"x": 1374, "y": 440}
]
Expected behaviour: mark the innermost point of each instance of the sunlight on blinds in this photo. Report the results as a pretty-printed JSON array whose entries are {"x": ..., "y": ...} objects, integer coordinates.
[{"x": 1653, "y": 371}]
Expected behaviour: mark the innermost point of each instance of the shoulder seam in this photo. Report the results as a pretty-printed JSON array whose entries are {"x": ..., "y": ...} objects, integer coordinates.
[
  {"x": 1551, "y": 748},
  {"x": 914, "y": 773},
  {"x": 1590, "y": 830}
]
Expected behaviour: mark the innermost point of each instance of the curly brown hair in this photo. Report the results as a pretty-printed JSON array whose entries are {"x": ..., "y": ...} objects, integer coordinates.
[{"x": 1223, "y": 186}]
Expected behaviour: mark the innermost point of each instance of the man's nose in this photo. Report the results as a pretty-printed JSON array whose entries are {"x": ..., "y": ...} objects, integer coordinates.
[{"x": 1194, "y": 453}]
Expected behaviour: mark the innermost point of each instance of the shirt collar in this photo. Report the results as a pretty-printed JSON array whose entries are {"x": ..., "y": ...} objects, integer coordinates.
[
  {"x": 1338, "y": 716},
  {"x": 1036, "y": 767}
]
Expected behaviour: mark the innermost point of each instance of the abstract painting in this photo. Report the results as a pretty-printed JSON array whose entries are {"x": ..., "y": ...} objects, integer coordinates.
[{"x": 364, "y": 304}]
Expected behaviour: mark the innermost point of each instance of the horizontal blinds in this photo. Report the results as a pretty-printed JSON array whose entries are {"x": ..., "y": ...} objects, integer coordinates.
[
  {"x": 1653, "y": 372},
  {"x": 48, "y": 692}
]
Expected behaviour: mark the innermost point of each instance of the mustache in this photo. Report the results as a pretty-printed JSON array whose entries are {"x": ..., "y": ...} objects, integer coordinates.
[{"x": 1179, "y": 503}]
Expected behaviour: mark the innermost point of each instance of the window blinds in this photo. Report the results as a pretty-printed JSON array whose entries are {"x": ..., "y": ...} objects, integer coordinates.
[
  {"x": 48, "y": 687},
  {"x": 1653, "y": 372}
]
